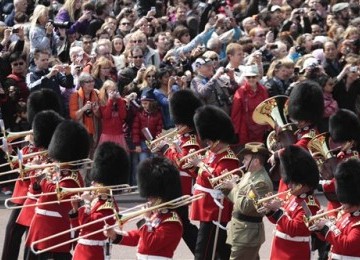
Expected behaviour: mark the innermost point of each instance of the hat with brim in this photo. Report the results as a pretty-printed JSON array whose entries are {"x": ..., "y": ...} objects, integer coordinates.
[
  {"x": 254, "y": 148},
  {"x": 250, "y": 70},
  {"x": 309, "y": 64},
  {"x": 339, "y": 7},
  {"x": 200, "y": 62}
]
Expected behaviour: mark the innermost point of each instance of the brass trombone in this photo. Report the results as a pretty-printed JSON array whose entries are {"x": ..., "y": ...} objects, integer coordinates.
[
  {"x": 309, "y": 221},
  {"x": 121, "y": 220},
  {"x": 26, "y": 156},
  {"x": 63, "y": 191},
  {"x": 218, "y": 181},
  {"x": 11, "y": 136}
]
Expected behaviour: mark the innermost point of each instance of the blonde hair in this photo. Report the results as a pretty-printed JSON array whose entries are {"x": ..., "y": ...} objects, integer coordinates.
[
  {"x": 149, "y": 69},
  {"x": 101, "y": 62},
  {"x": 103, "y": 96},
  {"x": 69, "y": 6},
  {"x": 350, "y": 31},
  {"x": 277, "y": 64},
  {"x": 40, "y": 10}
]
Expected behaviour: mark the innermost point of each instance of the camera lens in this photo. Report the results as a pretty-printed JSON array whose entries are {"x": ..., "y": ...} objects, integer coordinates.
[{"x": 88, "y": 112}]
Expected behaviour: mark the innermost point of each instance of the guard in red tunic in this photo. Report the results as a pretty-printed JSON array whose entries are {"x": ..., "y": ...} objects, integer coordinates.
[
  {"x": 44, "y": 99},
  {"x": 159, "y": 233},
  {"x": 213, "y": 211},
  {"x": 70, "y": 142},
  {"x": 110, "y": 167},
  {"x": 306, "y": 108},
  {"x": 292, "y": 237},
  {"x": 183, "y": 105},
  {"x": 344, "y": 233}
]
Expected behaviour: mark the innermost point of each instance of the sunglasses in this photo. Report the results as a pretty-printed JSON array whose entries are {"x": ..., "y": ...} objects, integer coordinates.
[
  {"x": 125, "y": 23},
  {"x": 137, "y": 57},
  {"x": 214, "y": 59},
  {"x": 137, "y": 41},
  {"x": 251, "y": 77},
  {"x": 18, "y": 64}
]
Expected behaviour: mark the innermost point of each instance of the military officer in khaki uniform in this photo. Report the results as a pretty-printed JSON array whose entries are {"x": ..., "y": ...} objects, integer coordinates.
[{"x": 246, "y": 229}]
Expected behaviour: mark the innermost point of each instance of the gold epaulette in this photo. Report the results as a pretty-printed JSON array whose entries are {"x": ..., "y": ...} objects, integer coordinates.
[
  {"x": 109, "y": 204},
  {"x": 173, "y": 218},
  {"x": 73, "y": 176},
  {"x": 311, "y": 201},
  {"x": 229, "y": 155},
  {"x": 191, "y": 142},
  {"x": 311, "y": 134}
]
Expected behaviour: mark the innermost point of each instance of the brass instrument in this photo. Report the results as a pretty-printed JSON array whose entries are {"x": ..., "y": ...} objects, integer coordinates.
[
  {"x": 182, "y": 159},
  {"x": 273, "y": 111},
  {"x": 121, "y": 220},
  {"x": 26, "y": 156},
  {"x": 63, "y": 191},
  {"x": 268, "y": 198},
  {"x": 153, "y": 143},
  {"x": 11, "y": 136},
  {"x": 319, "y": 148},
  {"x": 217, "y": 182},
  {"x": 309, "y": 221},
  {"x": 27, "y": 168}
]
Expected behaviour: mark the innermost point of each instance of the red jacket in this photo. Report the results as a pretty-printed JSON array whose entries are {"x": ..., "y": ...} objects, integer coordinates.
[
  {"x": 159, "y": 237},
  {"x": 244, "y": 103},
  {"x": 344, "y": 235},
  {"x": 153, "y": 121},
  {"x": 44, "y": 225},
  {"x": 290, "y": 226},
  {"x": 187, "y": 142},
  {"x": 21, "y": 186},
  {"x": 206, "y": 209},
  {"x": 112, "y": 121},
  {"x": 100, "y": 208}
]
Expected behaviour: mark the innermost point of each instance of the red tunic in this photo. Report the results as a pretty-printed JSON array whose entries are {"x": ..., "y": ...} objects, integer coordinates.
[
  {"x": 344, "y": 235},
  {"x": 159, "y": 237},
  {"x": 26, "y": 214},
  {"x": 99, "y": 208},
  {"x": 21, "y": 186},
  {"x": 206, "y": 209},
  {"x": 44, "y": 225},
  {"x": 303, "y": 137},
  {"x": 187, "y": 175},
  {"x": 291, "y": 226}
]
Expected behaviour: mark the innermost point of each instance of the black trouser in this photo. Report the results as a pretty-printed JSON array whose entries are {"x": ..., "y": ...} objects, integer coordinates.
[
  {"x": 205, "y": 242},
  {"x": 190, "y": 231},
  {"x": 13, "y": 235},
  {"x": 48, "y": 255}
]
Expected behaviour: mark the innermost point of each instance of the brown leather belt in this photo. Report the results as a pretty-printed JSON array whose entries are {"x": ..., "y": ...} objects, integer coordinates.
[{"x": 246, "y": 218}]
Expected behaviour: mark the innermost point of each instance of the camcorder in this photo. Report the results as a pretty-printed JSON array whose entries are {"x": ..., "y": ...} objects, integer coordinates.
[{"x": 60, "y": 25}]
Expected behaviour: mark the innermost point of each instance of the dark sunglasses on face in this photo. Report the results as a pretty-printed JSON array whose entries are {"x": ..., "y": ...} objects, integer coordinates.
[
  {"x": 137, "y": 57},
  {"x": 18, "y": 64}
]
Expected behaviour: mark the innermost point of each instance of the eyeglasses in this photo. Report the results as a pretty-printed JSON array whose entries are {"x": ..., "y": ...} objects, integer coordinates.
[
  {"x": 18, "y": 64},
  {"x": 137, "y": 41},
  {"x": 137, "y": 57},
  {"x": 125, "y": 23}
]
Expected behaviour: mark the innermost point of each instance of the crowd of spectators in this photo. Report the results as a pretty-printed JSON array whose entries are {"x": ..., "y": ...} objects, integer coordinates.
[{"x": 115, "y": 63}]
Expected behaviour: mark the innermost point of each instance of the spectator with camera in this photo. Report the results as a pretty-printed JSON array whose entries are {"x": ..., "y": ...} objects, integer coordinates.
[
  {"x": 84, "y": 107},
  {"x": 42, "y": 34},
  {"x": 52, "y": 78},
  {"x": 331, "y": 65},
  {"x": 20, "y": 6},
  {"x": 102, "y": 10}
]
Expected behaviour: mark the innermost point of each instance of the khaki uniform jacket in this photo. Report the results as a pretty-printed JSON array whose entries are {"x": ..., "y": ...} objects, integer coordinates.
[{"x": 245, "y": 233}]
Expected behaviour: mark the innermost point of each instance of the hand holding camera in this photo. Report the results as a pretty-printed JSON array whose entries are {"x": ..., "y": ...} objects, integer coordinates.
[{"x": 49, "y": 28}]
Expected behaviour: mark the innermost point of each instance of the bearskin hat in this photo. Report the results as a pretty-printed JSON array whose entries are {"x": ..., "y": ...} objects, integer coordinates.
[
  {"x": 111, "y": 165},
  {"x": 70, "y": 142},
  {"x": 183, "y": 104},
  {"x": 158, "y": 177},
  {"x": 44, "y": 125},
  {"x": 214, "y": 124},
  {"x": 344, "y": 126},
  {"x": 298, "y": 166},
  {"x": 43, "y": 99},
  {"x": 347, "y": 179},
  {"x": 306, "y": 102}
]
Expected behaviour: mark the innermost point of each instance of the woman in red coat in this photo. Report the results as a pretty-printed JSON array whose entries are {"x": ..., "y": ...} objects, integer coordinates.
[{"x": 246, "y": 99}]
